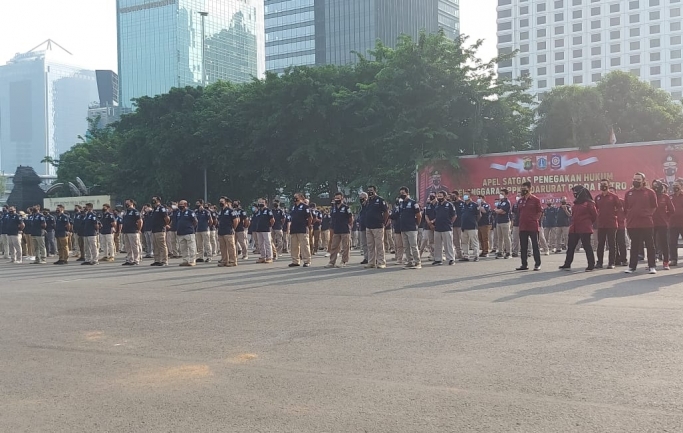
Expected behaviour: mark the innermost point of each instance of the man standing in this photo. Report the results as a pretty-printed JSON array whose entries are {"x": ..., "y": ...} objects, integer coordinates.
[
  {"x": 342, "y": 220},
  {"x": 91, "y": 227},
  {"x": 676, "y": 223},
  {"x": 240, "y": 231},
  {"x": 50, "y": 241},
  {"x": 530, "y": 211},
  {"x": 427, "y": 242},
  {"x": 300, "y": 221},
  {"x": 621, "y": 258},
  {"x": 130, "y": 228},
  {"x": 106, "y": 234},
  {"x": 362, "y": 216},
  {"x": 228, "y": 219},
  {"x": 159, "y": 221},
  {"x": 503, "y": 211},
  {"x": 147, "y": 231},
  {"x": 78, "y": 245},
  {"x": 563, "y": 220},
  {"x": 549, "y": 226},
  {"x": 640, "y": 205},
  {"x": 484, "y": 225},
  {"x": 442, "y": 226},
  {"x": 398, "y": 236},
  {"x": 661, "y": 219},
  {"x": 203, "y": 233},
  {"x": 315, "y": 228},
  {"x": 410, "y": 215},
  {"x": 38, "y": 226},
  {"x": 213, "y": 236},
  {"x": 265, "y": 221},
  {"x": 172, "y": 233},
  {"x": 279, "y": 216},
  {"x": 286, "y": 241},
  {"x": 15, "y": 225},
  {"x": 62, "y": 228},
  {"x": 457, "y": 224},
  {"x": 468, "y": 224},
  {"x": 325, "y": 231},
  {"x": 515, "y": 226},
  {"x": 377, "y": 215},
  {"x": 608, "y": 206},
  {"x": 187, "y": 225}
]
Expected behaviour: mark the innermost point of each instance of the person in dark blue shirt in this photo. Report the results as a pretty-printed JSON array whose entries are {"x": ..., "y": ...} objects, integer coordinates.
[
  {"x": 38, "y": 226},
  {"x": 410, "y": 216},
  {"x": 502, "y": 211},
  {"x": 457, "y": 224},
  {"x": 301, "y": 220},
  {"x": 549, "y": 226},
  {"x": 442, "y": 225},
  {"x": 62, "y": 229},
  {"x": 50, "y": 241},
  {"x": 203, "y": 235},
  {"x": 317, "y": 216},
  {"x": 484, "y": 226},
  {"x": 395, "y": 216},
  {"x": 362, "y": 214},
  {"x": 228, "y": 219},
  {"x": 131, "y": 226},
  {"x": 187, "y": 224},
  {"x": 469, "y": 225},
  {"x": 14, "y": 225},
  {"x": 160, "y": 221},
  {"x": 340, "y": 231},
  {"x": 108, "y": 226},
  {"x": 279, "y": 217},
  {"x": 79, "y": 241},
  {"x": 376, "y": 217},
  {"x": 325, "y": 231},
  {"x": 240, "y": 231},
  {"x": 91, "y": 227},
  {"x": 172, "y": 234},
  {"x": 427, "y": 239},
  {"x": 265, "y": 221}
]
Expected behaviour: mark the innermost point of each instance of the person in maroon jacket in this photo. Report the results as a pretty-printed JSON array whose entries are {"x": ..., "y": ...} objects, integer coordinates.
[
  {"x": 676, "y": 222},
  {"x": 608, "y": 206},
  {"x": 530, "y": 211},
  {"x": 660, "y": 219},
  {"x": 584, "y": 214},
  {"x": 640, "y": 205},
  {"x": 621, "y": 257}
]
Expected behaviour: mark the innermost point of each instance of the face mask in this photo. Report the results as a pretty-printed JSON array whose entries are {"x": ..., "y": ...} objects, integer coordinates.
[
  {"x": 563, "y": 203},
  {"x": 174, "y": 207},
  {"x": 404, "y": 196},
  {"x": 501, "y": 196},
  {"x": 261, "y": 205},
  {"x": 222, "y": 204},
  {"x": 637, "y": 183},
  {"x": 525, "y": 191},
  {"x": 658, "y": 188},
  {"x": 181, "y": 207},
  {"x": 254, "y": 209},
  {"x": 479, "y": 201},
  {"x": 276, "y": 206},
  {"x": 441, "y": 200},
  {"x": 371, "y": 194},
  {"x": 465, "y": 197},
  {"x": 431, "y": 198},
  {"x": 338, "y": 201},
  {"x": 362, "y": 200},
  {"x": 603, "y": 187},
  {"x": 497, "y": 203}
]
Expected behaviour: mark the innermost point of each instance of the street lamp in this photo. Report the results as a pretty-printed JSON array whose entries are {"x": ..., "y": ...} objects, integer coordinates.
[{"x": 204, "y": 15}]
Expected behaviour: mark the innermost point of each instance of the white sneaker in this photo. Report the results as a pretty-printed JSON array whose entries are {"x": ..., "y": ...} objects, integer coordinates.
[
  {"x": 652, "y": 271},
  {"x": 327, "y": 254},
  {"x": 629, "y": 271},
  {"x": 329, "y": 265}
]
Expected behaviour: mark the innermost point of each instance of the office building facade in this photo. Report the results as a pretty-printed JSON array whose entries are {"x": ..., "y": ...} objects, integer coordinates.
[
  {"x": 579, "y": 41},
  {"x": 44, "y": 102},
  {"x": 160, "y": 44},
  {"x": 309, "y": 32}
]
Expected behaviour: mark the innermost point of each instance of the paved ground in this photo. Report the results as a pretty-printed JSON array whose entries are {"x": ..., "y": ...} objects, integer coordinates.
[{"x": 472, "y": 348}]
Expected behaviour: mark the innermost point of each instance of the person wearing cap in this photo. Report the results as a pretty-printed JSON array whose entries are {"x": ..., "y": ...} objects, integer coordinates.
[
  {"x": 108, "y": 223},
  {"x": 240, "y": 230},
  {"x": 278, "y": 235},
  {"x": 584, "y": 214},
  {"x": 159, "y": 221},
  {"x": 640, "y": 205},
  {"x": 62, "y": 229},
  {"x": 340, "y": 232},
  {"x": 660, "y": 219},
  {"x": 203, "y": 234},
  {"x": 436, "y": 185}
]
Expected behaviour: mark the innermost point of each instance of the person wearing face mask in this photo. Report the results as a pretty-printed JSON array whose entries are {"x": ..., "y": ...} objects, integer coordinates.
[
  {"x": 186, "y": 226},
  {"x": 131, "y": 226},
  {"x": 254, "y": 222},
  {"x": 484, "y": 225},
  {"x": 469, "y": 226},
  {"x": 621, "y": 258},
  {"x": 362, "y": 214},
  {"x": 203, "y": 233},
  {"x": 278, "y": 235},
  {"x": 62, "y": 228},
  {"x": 325, "y": 231},
  {"x": 301, "y": 220},
  {"x": 608, "y": 206},
  {"x": 660, "y": 219},
  {"x": 410, "y": 217},
  {"x": 172, "y": 232},
  {"x": 108, "y": 223},
  {"x": 515, "y": 226},
  {"x": 159, "y": 222},
  {"x": 444, "y": 215},
  {"x": 640, "y": 205},
  {"x": 376, "y": 217},
  {"x": 427, "y": 240},
  {"x": 457, "y": 224},
  {"x": 676, "y": 221},
  {"x": 530, "y": 211},
  {"x": 549, "y": 226},
  {"x": 314, "y": 238},
  {"x": 240, "y": 231},
  {"x": 340, "y": 231},
  {"x": 394, "y": 215},
  {"x": 91, "y": 228},
  {"x": 15, "y": 227},
  {"x": 564, "y": 220},
  {"x": 584, "y": 214},
  {"x": 265, "y": 221},
  {"x": 228, "y": 219},
  {"x": 38, "y": 226},
  {"x": 147, "y": 231},
  {"x": 50, "y": 241},
  {"x": 503, "y": 211}
]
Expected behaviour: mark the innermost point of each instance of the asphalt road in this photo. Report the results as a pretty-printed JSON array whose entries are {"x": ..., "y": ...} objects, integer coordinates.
[{"x": 476, "y": 347}]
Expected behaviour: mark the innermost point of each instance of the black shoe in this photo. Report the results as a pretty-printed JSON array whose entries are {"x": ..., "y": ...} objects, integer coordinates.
[
  {"x": 207, "y": 260},
  {"x": 451, "y": 262},
  {"x": 156, "y": 264},
  {"x": 565, "y": 267},
  {"x": 306, "y": 265},
  {"x": 499, "y": 256},
  {"x": 162, "y": 264},
  {"x": 86, "y": 263},
  {"x": 624, "y": 263},
  {"x": 82, "y": 259},
  {"x": 437, "y": 263},
  {"x": 589, "y": 269},
  {"x": 507, "y": 256},
  {"x": 522, "y": 268},
  {"x": 58, "y": 262},
  {"x": 464, "y": 259},
  {"x": 364, "y": 262},
  {"x": 293, "y": 265},
  {"x": 515, "y": 254},
  {"x": 598, "y": 266},
  {"x": 127, "y": 264},
  {"x": 200, "y": 260}
]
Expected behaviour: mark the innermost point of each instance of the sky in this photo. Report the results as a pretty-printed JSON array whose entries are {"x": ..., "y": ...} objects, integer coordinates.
[{"x": 87, "y": 28}]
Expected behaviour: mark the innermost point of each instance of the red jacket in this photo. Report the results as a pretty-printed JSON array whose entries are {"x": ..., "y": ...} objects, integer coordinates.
[
  {"x": 530, "y": 211},
  {"x": 665, "y": 209},
  {"x": 608, "y": 207},
  {"x": 583, "y": 217},
  {"x": 640, "y": 205},
  {"x": 677, "y": 218},
  {"x": 621, "y": 216}
]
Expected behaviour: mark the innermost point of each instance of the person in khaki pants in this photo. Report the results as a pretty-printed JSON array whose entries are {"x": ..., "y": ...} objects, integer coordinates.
[
  {"x": 62, "y": 228},
  {"x": 301, "y": 220},
  {"x": 228, "y": 220},
  {"x": 131, "y": 227},
  {"x": 241, "y": 230},
  {"x": 160, "y": 221},
  {"x": 340, "y": 231},
  {"x": 503, "y": 211},
  {"x": 376, "y": 217},
  {"x": 14, "y": 225}
]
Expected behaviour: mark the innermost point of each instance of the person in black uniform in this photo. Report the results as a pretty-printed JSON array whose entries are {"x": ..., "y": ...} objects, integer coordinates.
[
  {"x": 240, "y": 231},
  {"x": 410, "y": 216},
  {"x": 160, "y": 222},
  {"x": 131, "y": 228},
  {"x": 265, "y": 221},
  {"x": 62, "y": 229},
  {"x": 342, "y": 220},
  {"x": 279, "y": 216},
  {"x": 301, "y": 220},
  {"x": 50, "y": 241},
  {"x": 91, "y": 228},
  {"x": 38, "y": 226},
  {"x": 228, "y": 220}
]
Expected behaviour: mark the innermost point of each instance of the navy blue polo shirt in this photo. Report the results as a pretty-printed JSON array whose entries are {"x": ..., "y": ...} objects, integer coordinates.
[
  {"x": 159, "y": 215},
  {"x": 3, "y": 228},
  {"x": 299, "y": 218},
  {"x": 203, "y": 220},
  {"x": 503, "y": 205},
  {"x": 562, "y": 219},
  {"x": 287, "y": 224},
  {"x": 340, "y": 214},
  {"x": 459, "y": 210},
  {"x": 78, "y": 223},
  {"x": 173, "y": 216},
  {"x": 317, "y": 217},
  {"x": 279, "y": 216},
  {"x": 214, "y": 218},
  {"x": 130, "y": 221},
  {"x": 325, "y": 224},
  {"x": 515, "y": 215},
  {"x": 226, "y": 220},
  {"x": 408, "y": 209},
  {"x": 61, "y": 222},
  {"x": 361, "y": 216},
  {"x": 90, "y": 224},
  {"x": 107, "y": 219},
  {"x": 243, "y": 217},
  {"x": 37, "y": 221},
  {"x": 396, "y": 220},
  {"x": 443, "y": 215},
  {"x": 28, "y": 227},
  {"x": 430, "y": 211},
  {"x": 263, "y": 220},
  {"x": 50, "y": 223},
  {"x": 485, "y": 219},
  {"x": 186, "y": 220},
  {"x": 374, "y": 213},
  {"x": 550, "y": 217},
  {"x": 13, "y": 222},
  {"x": 470, "y": 216}
]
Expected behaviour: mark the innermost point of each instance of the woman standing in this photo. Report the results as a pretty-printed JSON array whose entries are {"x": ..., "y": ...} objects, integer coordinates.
[
  {"x": 661, "y": 217},
  {"x": 584, "y": 214}
]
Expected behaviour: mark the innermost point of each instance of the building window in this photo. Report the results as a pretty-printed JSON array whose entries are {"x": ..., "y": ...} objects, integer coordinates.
[
  {"x": 524, "y": 22},
  {"x": 540, "y": 33},
  {"x": 655, "y": 57},
  {"x": 675, "y": 54},
  {"x": 596, "y": 64},
  {"x": 596, "y": 77},
  {"x": 524, "y": 73},
  {"x": 676, "y": 95},
  {"x": 634, "y": 32},
  {"x": 655, "y": 70},
  {"x": 540, "y": 7},
  {"x": 633, "y": 46},
  {"x": 676, "y": 82},
  {"x": 614, "y": 8},
  {"x": 675, "y": 12},
  {"x": 504, "y": 38},
  {"x": 542, "y": 84},
  {"x": 577, "y": 27},
  {"x": 540, "y": 20},
  {"x": 635, "y": 72},
  {"x": 541, "y": 71},
  {"x": 505, "y": 26},
  {"x": 541, "y": 58},
  {"x": 656, "y": 84},
  {"x": 524, "y": 48},
  {"x": 578, "y": 79},
  {"x": 577, "y": 53},
  {"x": 596, "y": 37},
  {"x": 615, "y": 34},
  {"x": 676, "y": 67},
  {"x": 595, "y": 11},
  {"x": 595, "y": 24},
  {"x": 524, "y": 10},
  {"x": 559, "y": 69},
  {"x": 635, "y": 4},
  {"x": 654, "y": 29},
  {"x": 505, "y": 13},
  {"x": 559, "y": 81},
  {"x": 614, "y": 21},
  {"x": 675, "y": 40},
  {"x": 596, "y": 51},
  {"x": 541, "y": 96},
  {"x": 505, "y": 64},
  {"x": 559, "y": 43},
  {"x": 504, "y": 2},
  {"x": 577, "y": 40},
  {"x": 655, "y": 43},
  {"x": 632, "y": 19},
  {"x": 523, "y": 36},
  {"x": 675, "y": 26},
  {"x": 654, "y": 3},
  {"x": 615, "y": 61},
  {"x": 576, "y": 2},
  {"x": 654, "y": 15},
  {"x": 541, "y": 46},
  {"x": 615, "y": 48},
  {"x": 577, "y": 14},
  {"x": 523, "y": 60},
  {"x": 578, "y": 66},
  {"x": 559, "y": 30},
  {"x": 559, "y": 4},
  {"x": 635, "y": 59},
  {"x": 559, "y": 17},
  {"x": 559, "y": 55}
]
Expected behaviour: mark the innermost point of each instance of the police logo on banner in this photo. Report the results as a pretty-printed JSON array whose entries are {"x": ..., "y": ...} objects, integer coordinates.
[
  {"x": 555, "y": 162},
  {"x": 528, "y": 163},
  {"x": 542, "y": 162}
]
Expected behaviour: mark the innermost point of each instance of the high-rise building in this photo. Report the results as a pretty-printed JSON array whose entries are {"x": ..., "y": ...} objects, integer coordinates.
[
  {"x": 579, "y": 41},
  {"x": 44, "y": 102},
  {"x": 309, "y": 32},
  {"x": 108, "y": 110},
  {"x": 160, "y": 44}
]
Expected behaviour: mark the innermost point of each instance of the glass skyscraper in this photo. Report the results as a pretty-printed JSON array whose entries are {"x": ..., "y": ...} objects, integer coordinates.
[
  {"x": 160, "y": 44},
  {"x": 308, "y": 32}
]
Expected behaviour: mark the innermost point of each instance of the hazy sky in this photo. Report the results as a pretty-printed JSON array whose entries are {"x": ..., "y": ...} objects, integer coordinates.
[{"x": 87, "y": 28}]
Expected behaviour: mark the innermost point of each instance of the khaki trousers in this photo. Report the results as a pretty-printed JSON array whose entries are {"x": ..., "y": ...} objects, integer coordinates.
[
  {"x": 265, "y": 243},
  {"x": 484, "y": 232},
  {"x": 228, "y": 250},
  {"x": 4, "y": 245},
  {"x": 325, "y": 239},
  {"x": 241, "y": 240},
  {"x": 457, "y": 242},
  {"x": 503, "y": 238},
  {"x": 410, "y": 247},
  {"x": 300, "y": 248},
  {"x": 398, "y": 244},
  {"x": 15, "y": 252},
  {"x": 107, "y": 242},
  {"x": 131, "y": 242},
  {"x": 90, "y": 248},
  {"x": 76, "y": 245},
  {"x": 159, "y": 247},
  {"x": 443, "y": 241},
  {"x": 203, "y": 245},
  {"x": 172, "y": 243},
  {"x": 277, "y": 240},
  {"x": 551, "y": 237},
  {"x": 213, "y": 238},
  {"x": 63, "y": 249},
  {"x": 340, "y": 244},
  {"x": 316, "y": 241},
  {"x": 389, "y": 240},
  {"x": 515, "y": 240},
  {"x": 28, "y": 239},
  {"x": 188, "y": 248},
  {"x": 39, "y": 248},
  {"x": 470, "y": 241},
  {"x": 562, "y": 237},
  {"x": 286, "y": 242},
  {"x": 376, "y": 247}
]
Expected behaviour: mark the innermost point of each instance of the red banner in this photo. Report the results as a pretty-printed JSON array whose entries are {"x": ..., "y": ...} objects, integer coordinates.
[{"x": 553, "y": 173}]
